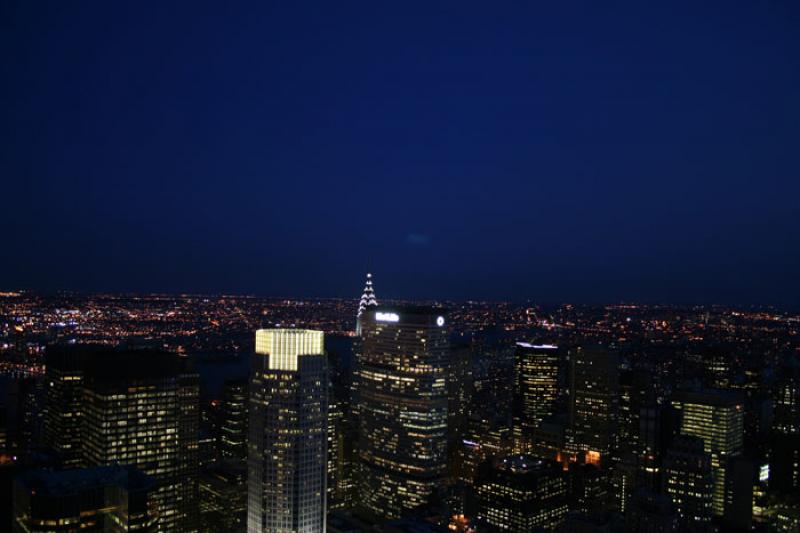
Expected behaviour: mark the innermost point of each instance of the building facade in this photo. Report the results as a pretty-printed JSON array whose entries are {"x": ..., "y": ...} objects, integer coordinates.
[
  {"x": 141, "y": 408},
  {"x": 522, "y": 493},
  {"x": 402, "y": 399},
  {"x": 535, "y": 389},
  {"x": 287, "y": 445},
  {"x": 717, "y": 417}
]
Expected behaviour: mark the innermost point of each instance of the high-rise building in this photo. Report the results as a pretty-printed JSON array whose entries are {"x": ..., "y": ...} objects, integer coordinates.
[
  {"x": 402, "y": 371},
  {"x": 110, "y": 499},
  {"x": 233, "y": 421},
  {"x": 367, "y": 301},
  {"x": 689, "y": 482},
  {"x": 784, "y": 468},
  {"x": 594, "y": 392},
  {"x": 63, "y": 403},
  {"x": 717, "y": 417},
  {"x": 287, "y": 446},
  {"x": 535, "y": 389},
  {"x": 141, "y": 408},
  {"x": 521, "y": 494}
]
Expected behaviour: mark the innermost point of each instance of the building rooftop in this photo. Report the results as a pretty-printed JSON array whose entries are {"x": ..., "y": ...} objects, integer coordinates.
[
  {"x": 712, "y": 397},
  {"x": 64, "y": 482}
]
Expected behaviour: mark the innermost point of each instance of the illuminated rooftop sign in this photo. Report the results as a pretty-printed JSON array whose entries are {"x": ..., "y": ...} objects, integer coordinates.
[{"x": 386, "y": 317}]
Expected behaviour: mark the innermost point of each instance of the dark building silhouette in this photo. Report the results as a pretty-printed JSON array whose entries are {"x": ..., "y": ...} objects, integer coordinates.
[
  {"x": 233, "y": 421},
  {"x": 784, "y": 468},
  {"x": 594, "y": 397},
  {"x": 689, "y": 483},
  {"x": 108, "y": 499}
]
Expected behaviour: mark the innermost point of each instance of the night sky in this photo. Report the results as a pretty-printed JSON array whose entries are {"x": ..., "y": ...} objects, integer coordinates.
[{"x": 553, "y": 151}]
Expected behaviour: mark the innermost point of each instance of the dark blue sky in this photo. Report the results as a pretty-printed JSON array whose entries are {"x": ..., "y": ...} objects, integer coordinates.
[{"x": 559, "y": 151}]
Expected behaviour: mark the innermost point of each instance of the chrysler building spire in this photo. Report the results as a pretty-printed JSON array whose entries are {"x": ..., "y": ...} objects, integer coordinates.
[{"x": 368, "y": 298}]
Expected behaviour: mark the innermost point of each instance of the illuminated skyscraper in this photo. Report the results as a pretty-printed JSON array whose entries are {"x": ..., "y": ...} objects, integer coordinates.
[
  {"x": 141, "y": 408},
  {"x": 522, "y": 493},
  {"x": 594, "y": 391},
  {"x": 402, "y": 407},
  {"x": 716, "y": 417},
  {"x": 287, "y": 446},
  {"x": 535, "y": 389},
  {"x": 368, "y": 300}
]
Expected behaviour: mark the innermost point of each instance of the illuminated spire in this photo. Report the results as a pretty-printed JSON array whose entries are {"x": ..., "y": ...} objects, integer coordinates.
[{"x": 368, "y": 298}]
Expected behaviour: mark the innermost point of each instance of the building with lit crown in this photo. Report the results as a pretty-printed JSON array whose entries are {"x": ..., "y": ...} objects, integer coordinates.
[
  {"x": 287, "y": 445},
  {"x": 402, "y": 396}
]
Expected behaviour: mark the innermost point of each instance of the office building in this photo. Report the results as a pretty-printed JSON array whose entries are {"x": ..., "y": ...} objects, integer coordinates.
[
  {"x": 63, "y": 403},
  {"x": 535, "y": 392},
  {"x": 141, "y": 408},
  {"x": 287, "y": 445},
  {"x": 717, "y": 417},
  {"x": 521, "y": 494},
  {"x": 594, "y": 392},
  {"x": 689, "y": 483},
  {"x": 402, "y": 371}
]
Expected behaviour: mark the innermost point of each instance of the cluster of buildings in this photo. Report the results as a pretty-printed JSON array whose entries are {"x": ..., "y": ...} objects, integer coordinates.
[{"x": 564, "y": 425}]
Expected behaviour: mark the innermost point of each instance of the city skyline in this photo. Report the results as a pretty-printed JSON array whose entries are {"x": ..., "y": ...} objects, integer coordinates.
[{"x": 573, "y": 228}]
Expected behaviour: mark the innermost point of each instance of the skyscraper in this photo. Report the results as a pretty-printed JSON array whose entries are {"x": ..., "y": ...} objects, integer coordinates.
[
  {"x": 141, "y": 408},
  {"x": 367, "y": 300},
  {"x": 594, "y": 390},
  {"x": 717, "y": 417},
  {"x": 63, "y": 404},
  {"x": 535, "y": 389},
  {"x": 233, "y": 421},
  {"x": 402, "y": 389},
  {"x": 287, "y": 448}
]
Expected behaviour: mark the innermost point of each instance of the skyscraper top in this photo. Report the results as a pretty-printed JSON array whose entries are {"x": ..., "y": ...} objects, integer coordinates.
[
  {"x": 284, "y": 346},
  {"x": 367, "y": 298}
]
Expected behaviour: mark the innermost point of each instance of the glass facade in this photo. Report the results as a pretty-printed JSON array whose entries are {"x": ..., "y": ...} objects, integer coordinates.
[
  {"x": 402, "y": 367},
  {"x": 287, "y": 445}
]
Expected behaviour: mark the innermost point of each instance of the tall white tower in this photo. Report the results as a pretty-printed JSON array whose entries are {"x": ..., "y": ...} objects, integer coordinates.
[
  {"x": 287, "y": 444},
  {"x": 367, "y": 300}
]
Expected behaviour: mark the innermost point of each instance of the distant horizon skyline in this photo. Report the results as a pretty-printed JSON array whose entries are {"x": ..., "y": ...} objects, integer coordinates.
[{"x": 6, "y": 292}]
